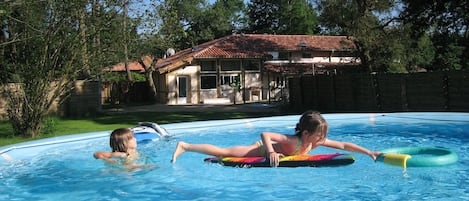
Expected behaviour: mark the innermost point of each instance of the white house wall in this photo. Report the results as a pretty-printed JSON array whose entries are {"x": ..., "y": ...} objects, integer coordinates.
[
  {"x": 191, "y": 72},
  {"x": 253, "y": 86},
  {"x": 273, "y": 90},
  {"x": 296, "y": 57},
  {"x": 210, "y": 95}
]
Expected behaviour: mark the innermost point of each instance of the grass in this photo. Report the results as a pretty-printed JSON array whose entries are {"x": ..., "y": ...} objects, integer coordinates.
[{"x": 65, "y": 126}]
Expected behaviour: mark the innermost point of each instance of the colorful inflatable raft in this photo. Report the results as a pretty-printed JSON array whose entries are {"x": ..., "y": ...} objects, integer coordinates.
[{"x": 320, "y": 160}]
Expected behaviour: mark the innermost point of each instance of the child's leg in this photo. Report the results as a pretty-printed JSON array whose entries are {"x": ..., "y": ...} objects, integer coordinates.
[{"x": 237, "y": 151}]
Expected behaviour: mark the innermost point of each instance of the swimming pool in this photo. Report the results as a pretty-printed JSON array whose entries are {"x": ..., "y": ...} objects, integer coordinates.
[{"x": 63, "y": 168}]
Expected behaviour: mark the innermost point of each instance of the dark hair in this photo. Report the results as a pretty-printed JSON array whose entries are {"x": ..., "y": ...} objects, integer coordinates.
[
  {"x": 312, "y": 121},
  {"x": 119, "y": 139}
]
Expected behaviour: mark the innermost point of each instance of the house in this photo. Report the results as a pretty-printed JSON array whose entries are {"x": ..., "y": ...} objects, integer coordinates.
[
  {"x": 134, "y": 66},
  {"x": 242, "y": 68}
]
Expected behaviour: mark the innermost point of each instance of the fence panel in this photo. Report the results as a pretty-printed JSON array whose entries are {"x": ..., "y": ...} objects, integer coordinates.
[
  {"x": 309, "y": 94},
  {"x": 325, "y": 93},
  {"x": 83, "y": 100},
  {"x": 344, "y": 93},
  {"x": 432, "y": 91},
  {"x": 391, "y": 92},
  {"x": 458, "y": 90},
  {"x": 424, "y": 91},
  {"x": 295, "y": 94},
  {"x": 124, "y": 92},
  {"x": 365, "y": 97}
]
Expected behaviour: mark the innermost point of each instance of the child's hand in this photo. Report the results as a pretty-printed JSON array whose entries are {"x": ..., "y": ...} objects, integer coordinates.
[
  {"x": 374, "y": 155},
  {"x": 275, "y": 158}
]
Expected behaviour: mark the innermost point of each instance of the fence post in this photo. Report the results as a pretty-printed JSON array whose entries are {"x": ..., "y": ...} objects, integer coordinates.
[
  {"x": 376, "y": 91},
  {"x": 300, "y": 87},
  {"x": 446, "y": 91},
  {"x": 403, "y": 83}
]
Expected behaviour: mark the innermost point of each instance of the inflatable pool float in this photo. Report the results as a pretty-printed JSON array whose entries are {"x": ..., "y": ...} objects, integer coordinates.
[
  {"x": 148, "y": 131},
  {"x": 320, "y": 160},
  {"x": 418, "y": 157}
]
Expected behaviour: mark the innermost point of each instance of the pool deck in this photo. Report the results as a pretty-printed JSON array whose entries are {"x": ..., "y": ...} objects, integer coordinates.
[{"x": 250, "y": 107}]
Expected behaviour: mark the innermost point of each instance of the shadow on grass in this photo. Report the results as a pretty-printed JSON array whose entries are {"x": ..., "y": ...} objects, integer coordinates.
[
  {"x": 104, "y": 122},
  {"x": 171, "y": 117}
]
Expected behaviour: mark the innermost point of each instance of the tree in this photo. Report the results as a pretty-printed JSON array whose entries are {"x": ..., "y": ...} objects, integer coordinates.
[
  {"x": 282, "y": 17},
  {"x": 224, "y": 17},
  {"x": 359, "y": 20},
  {"x": 298, "y": 17},
  {"x": 39, "y": 59},
  {"x": 399, "y": 53},
  {"x": 446, "y": 21},
  {"x": 126, "y": 40},
  {"x": 50, "y": 45},
  {"x": 186, "y": 23},
  {"x": 263, "y": 16}
]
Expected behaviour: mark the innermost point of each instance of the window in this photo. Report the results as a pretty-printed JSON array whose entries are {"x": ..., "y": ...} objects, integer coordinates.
[
  {"x": 306, "y": 55},
  {"x": 251, "y": 65},
  {"x": 208, "y": 82},
  {"x": 342, "y": 54},
  {"x": 322, "y": 54},
  {"x": 279, "y": 82},
  {"x": 230, "y": 65},
  {"x": 208, "y": 66},
  {"x": 229, "y": 80},
  {"x": 283, "y": 55}
]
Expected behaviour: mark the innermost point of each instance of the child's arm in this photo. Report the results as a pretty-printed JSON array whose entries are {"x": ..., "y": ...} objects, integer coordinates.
[
  {"x": 267, "y": 139},
  {"x": 107, "y": 156},
  {"x": 350, "y": 147}
]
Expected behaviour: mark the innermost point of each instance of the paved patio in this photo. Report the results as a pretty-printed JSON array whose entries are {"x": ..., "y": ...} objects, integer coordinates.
[{"x": 251, "y": 107}]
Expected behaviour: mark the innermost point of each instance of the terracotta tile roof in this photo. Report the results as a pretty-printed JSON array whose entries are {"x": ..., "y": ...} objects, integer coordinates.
[
  {"x": 253, "y": 46},
  {"x": 133, "y": 65}
]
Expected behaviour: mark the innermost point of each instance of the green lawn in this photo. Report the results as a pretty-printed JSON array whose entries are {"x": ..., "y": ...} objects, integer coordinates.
[{"x": 63, "y": 126}]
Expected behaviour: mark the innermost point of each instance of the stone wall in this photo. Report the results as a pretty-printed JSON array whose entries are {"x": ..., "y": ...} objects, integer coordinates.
[{"x": 84, "y": 100}]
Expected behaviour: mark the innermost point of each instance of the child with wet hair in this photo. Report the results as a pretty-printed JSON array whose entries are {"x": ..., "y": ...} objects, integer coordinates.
[
  {"x": 124, "y": 149},
  {"x": 310, "y": 132}
]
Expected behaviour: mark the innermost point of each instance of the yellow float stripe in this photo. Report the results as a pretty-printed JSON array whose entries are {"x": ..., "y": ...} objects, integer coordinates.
[{"x": 396, "y": 159}]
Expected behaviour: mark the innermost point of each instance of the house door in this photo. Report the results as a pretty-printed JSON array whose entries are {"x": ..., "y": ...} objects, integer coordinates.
[{"x": 183, "y": 87}]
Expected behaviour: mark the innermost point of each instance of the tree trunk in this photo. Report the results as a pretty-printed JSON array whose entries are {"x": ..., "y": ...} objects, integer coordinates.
[
  {"x": 147, "y": 63},
  {"x": 126, "y": 53},
  {"x": 84, "y": 49}
]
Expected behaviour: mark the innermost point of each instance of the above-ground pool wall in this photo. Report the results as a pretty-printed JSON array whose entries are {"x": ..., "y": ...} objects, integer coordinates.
[{"x": 27, "y": 150}]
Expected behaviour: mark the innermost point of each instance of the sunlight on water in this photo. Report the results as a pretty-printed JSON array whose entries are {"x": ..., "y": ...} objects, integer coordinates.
[{"x": 69, "y": 171}]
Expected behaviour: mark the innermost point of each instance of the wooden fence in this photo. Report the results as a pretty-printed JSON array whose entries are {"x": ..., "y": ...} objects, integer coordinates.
[
  {"x": 433, "y": 91},
  {"x": 124, "y": 93}
]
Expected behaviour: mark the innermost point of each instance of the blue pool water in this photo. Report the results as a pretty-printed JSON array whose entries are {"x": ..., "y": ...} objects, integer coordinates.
[{"x": 64, "y": 169}]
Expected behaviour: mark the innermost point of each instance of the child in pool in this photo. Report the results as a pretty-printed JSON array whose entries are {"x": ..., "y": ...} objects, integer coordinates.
[
  {"x": 311, "y": 132},
  {"x": 124, "y": 150}
]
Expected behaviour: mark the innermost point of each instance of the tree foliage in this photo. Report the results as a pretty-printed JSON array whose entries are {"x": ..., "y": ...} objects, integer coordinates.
[
  {"x": 39, "y": 59},
  {"x": 46, "y": 46},
  {"x": 282, "y": 17},
  {"x": 447, "y": 22},
  {"x": 358, "y": 19},
  {"x": 186, "y": 23}
]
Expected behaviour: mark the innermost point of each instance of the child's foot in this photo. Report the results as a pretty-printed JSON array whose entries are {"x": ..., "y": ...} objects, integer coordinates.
[{"x": 178, "y": 151}]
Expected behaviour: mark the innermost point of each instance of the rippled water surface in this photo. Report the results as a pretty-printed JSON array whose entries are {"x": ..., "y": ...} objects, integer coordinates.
[{"x": 67, "y": 171}]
